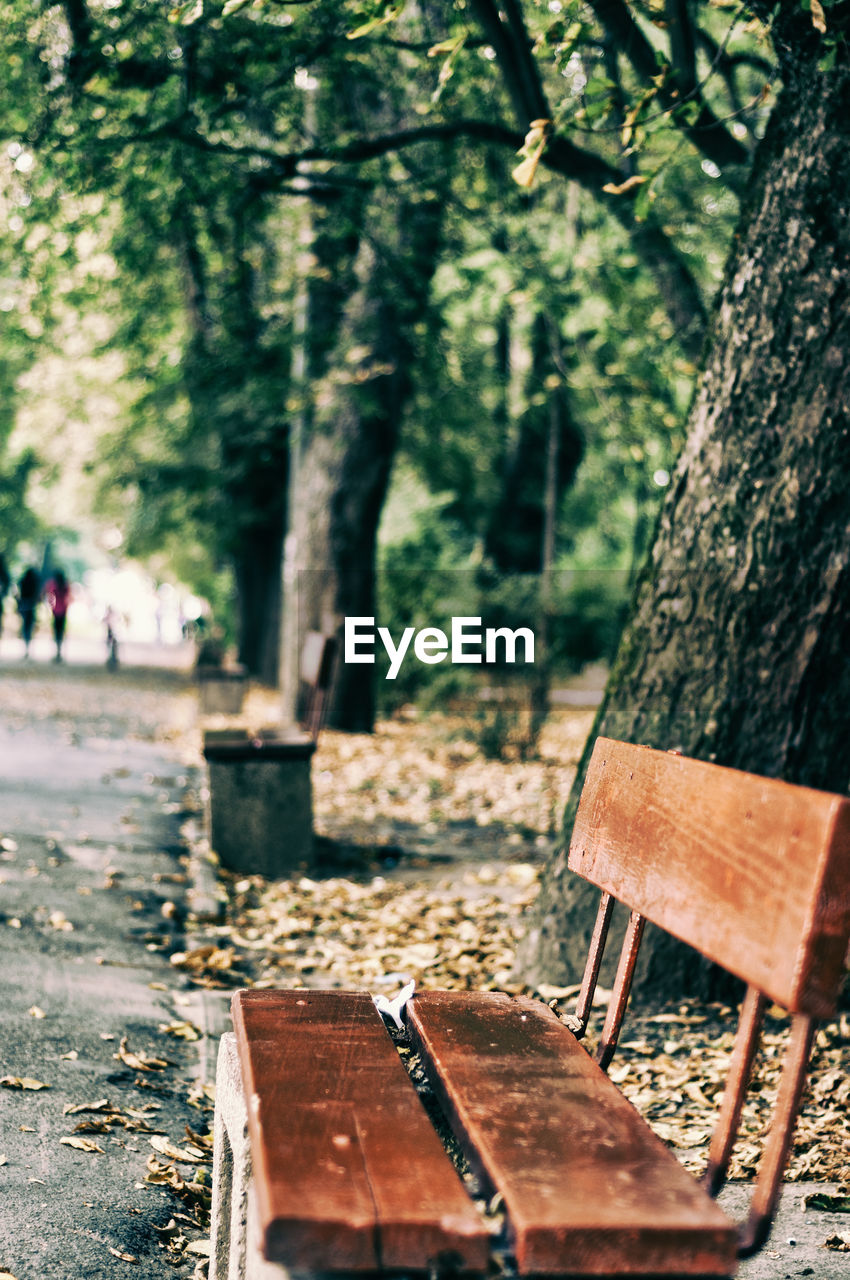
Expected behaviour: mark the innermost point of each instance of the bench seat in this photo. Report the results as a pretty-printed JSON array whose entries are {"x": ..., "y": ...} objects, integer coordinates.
[
  {"x": 351, "y": 1176},
  {"x": 587, "y": 1186},
  {"x": 336, "y": 1118}
]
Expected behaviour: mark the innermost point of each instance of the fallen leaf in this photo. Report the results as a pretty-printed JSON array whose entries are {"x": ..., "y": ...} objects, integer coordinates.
[
  {"x": 839, "y": 1243},
  {"x": 125, "y": 1257},
  {"x": 184, "y": 1155},
  {"x": 74, "y": 1109},
  {"x": 6, "y": 1275},
  {"x": 829, "y": 1202},
  {"x": 201, "y": 1096},
  {"x": 36, "y": 1012},
  {"x": 181, "y": 1030},
  {"x": 95, "y": 1125},
  {"x": 201, "y": 1247},
  {"x": 22, "y": 1082},
  {"x": 138, "y": 1061},
  {"x": 694, "y": 1091},
  {"x": 206, "y": 959},
  {"x": 163, "y": 1175},
  {"x": 202, "y": 1140},
  {"x": 82, "y": 1144}
]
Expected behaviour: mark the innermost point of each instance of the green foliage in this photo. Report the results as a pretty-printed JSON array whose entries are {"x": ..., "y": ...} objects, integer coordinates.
[
  {"x": 158, "y": 157},
  {"x": 429, "y": 572},
  {"x": 17, "y": 521}
]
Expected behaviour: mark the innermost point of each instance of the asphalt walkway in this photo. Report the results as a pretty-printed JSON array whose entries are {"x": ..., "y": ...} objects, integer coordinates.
[
  {"x": 93, "y": 885},
  {"x": 98, "y": 1175}
]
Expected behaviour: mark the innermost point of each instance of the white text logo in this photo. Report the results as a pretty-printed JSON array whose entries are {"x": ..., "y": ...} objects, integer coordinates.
[{"x": 432, "y": 645}]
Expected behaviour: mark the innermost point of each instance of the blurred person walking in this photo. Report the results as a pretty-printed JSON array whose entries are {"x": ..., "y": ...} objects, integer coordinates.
[
  {"x": 111, "y": 620},
  {"x": 57, "y": 593},
  {"x": 29, "y": 592}
]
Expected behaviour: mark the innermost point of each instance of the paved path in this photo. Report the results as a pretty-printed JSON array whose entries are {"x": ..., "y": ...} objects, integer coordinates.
[{"x": 93, "y": 895}]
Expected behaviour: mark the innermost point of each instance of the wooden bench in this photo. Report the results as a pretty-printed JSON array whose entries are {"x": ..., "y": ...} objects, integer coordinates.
[{"x": 325, "y": 1160}]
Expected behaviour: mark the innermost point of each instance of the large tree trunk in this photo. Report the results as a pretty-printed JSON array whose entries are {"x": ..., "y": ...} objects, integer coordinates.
[
  {"x": 737, "y": 647},
  {"x": 352, "y": 439}
]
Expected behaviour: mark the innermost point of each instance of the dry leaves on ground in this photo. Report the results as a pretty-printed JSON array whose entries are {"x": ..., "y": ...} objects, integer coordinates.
[
  {"x": 462, "y": 931},
  {"x": 430, "y": 772},
  {"x": 337, "y": 932},
  {"x": 676, "y": 1081}
]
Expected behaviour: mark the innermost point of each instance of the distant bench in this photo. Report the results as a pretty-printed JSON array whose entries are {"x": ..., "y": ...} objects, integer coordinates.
[
  {"x": 325, "y": 1160},
  {"x": 261, "y": 798}
]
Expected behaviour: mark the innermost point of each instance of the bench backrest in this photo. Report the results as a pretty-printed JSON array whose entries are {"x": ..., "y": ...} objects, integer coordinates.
[
  {"x": 752, "y": 872},
  {"x": 316, "y": 673}
]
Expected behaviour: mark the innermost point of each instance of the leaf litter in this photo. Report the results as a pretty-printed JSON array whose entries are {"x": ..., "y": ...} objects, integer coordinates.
[{"x": 458, "y": 926}]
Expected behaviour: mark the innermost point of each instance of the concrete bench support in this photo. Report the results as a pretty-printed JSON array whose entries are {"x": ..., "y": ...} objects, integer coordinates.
[
  {"x": 221, "y": 690},
  {"x": 235, "y": 1231},
  {"x": 261, "y": 802}
]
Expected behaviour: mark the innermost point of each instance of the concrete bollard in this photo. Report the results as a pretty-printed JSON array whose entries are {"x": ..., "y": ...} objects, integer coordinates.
[
  {"x": 261, "y": 801},
  {"x": 221, "y": 690}
]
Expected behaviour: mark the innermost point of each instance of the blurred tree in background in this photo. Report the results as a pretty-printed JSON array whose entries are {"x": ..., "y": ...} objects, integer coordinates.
[{"x": 191, "y": 130}]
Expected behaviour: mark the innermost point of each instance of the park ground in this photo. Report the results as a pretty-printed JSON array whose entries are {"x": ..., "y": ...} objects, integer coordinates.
[{"x": 121, "y": 942}]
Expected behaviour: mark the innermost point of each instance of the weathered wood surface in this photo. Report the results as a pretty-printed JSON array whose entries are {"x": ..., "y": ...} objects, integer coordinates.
[
  {"x": 349, "y": 1173},
  {"x": 752, "y": 872},
  {"x": 588, "y": 1189}
]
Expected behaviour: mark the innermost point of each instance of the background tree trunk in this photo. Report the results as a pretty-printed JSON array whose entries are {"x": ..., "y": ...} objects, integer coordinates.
[
  {"x": 258, "y": 593},
  {"x": 737, "y": 646},
  {"x": 352, "y": 439}
]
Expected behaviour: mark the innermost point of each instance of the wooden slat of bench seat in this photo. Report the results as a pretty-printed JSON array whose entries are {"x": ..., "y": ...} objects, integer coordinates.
[
  {"x": 348, "y": 1171},
  {"x": 753, "y": 872},
  {"x": 588, "y": 1188}
]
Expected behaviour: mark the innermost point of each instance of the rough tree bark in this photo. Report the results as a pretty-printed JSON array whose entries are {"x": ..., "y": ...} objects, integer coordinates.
[{"x": 737, "y": 646}]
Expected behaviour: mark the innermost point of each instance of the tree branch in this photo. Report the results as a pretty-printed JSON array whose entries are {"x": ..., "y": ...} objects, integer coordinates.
[
  {"x": 683, "y": 51},
  {"x": 85, "y": 57},
  {"x": 513, "y": 52},
  {"x": 676, "y": 284},
  {"x": 706, "y": 133}
]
